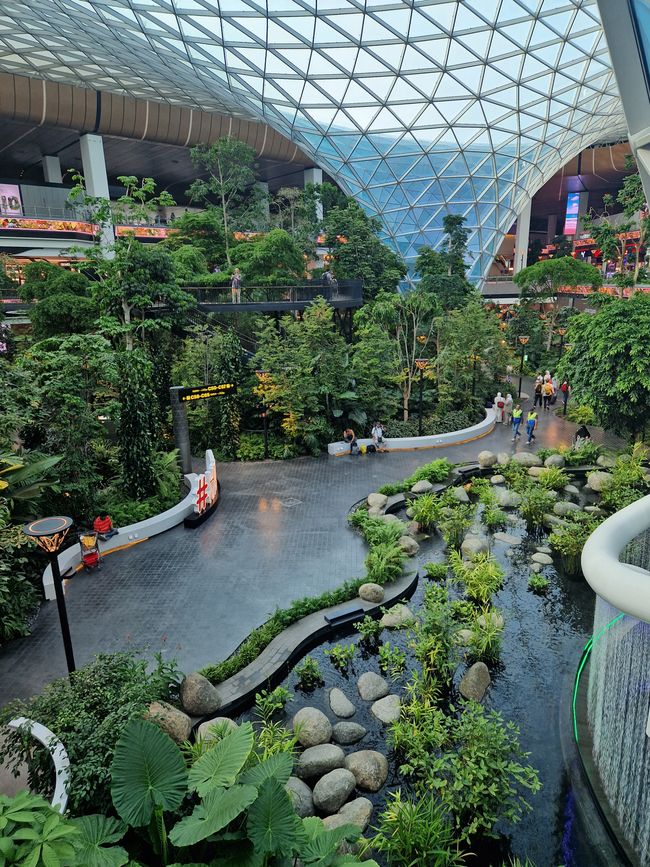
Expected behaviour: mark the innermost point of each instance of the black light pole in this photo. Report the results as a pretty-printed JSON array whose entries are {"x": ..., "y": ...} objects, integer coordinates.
[
  {"x": 49, "y": 534},
  {"x": 561, "y": 332},
  {"x": 263, "y": 377},
  {"x": 523, "y": 339},
  {"x": 421, "y": 364}
]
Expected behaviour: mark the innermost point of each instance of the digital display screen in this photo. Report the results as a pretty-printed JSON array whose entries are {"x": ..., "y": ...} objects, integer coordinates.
[
  {"x": 571, "y": 216},
  {"x": 10, "y": 202},
  {"x": 203, "y": 391}
]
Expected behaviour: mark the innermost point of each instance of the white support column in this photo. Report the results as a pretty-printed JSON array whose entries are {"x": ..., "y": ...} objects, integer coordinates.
[
  {"x": 52, "y": 170},
  {"x": 522, "y": 238},
  {"x": 94, "y": 172},
  {"x": 315, "y": 176}
]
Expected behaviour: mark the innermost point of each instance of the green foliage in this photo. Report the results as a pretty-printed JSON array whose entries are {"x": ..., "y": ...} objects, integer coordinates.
[
  {"x": 88, "y": 713},
  {"x": 538, "y": 584},
  {"x": 384, "y": 563},
  {"x": 569, "y": 540},
  {"x": 536, "y": 501},
  {"x": 435, "y": 471},
  {"x": 375, "y": 531},
  {"x": 136, "y": 437},
  {"x": 203, "y": 231},
  {"x": 444, "y": 274},
  {"x": 268, "y": 703},
  {"x": 93, "y": 842},
  {"x": 274, "y": 254},
  {"x": 553, "y": 478},
  {"x": 454, "y": 522},
  {"x": 369, "y": 629},
  {"x": 482, "y": 576},
  {"x": 494, "y": 517},
  {"x": 19, "y": 573},
  {"x": 251, "y": 448},
  {"x": 309, "y": 673},
  {"x": 189, "y": 262},
  {"x": 414, "y": 832},
  {"x": 579, "y": 413},
  {"x": 341, "y": 655},
  {"x": 223, "y": 762},
  {"x": 437, "y": 423},
  {"x": 485, "y": 643},
  {"x": 32, "y": 834},
  {"x": 425, "y": 510},
  {"x": 375, "y": 370},
  {"x": 392, "y": 660},
  {"x": 436, "y": 571}
]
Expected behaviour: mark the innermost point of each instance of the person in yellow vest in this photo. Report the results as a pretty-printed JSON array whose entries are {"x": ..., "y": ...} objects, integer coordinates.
[
  {"x": 531, "y": 424},
  {"x": 517, "y": 414}
]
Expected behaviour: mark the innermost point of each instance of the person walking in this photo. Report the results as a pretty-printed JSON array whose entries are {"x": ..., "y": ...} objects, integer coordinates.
[
  {"x": 565, "y": 388},
  {"x": 531, "y": 424},
  {"x": 235, "y": 286},
  {"x": 517, "y": 414},
  {"x": 539, "y": 385},
  {"x": 507, "y": 410},
  {"x": 547, "y": 390}
]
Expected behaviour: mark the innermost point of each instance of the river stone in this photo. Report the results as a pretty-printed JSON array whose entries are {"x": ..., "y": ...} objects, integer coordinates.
[
  {"x": 370, "y": 769},
  {"x": 312, "y": 727},
  {"x": 348, "y": 733},
  {"x": 460, "y": 494},
  {"x": 493, "y": 617},
  {"x": 377, "y": 501},
  {"x": 357, "y": 812},
  {"x": 507, "y": 538},
  {"x": 409, "y": 512},
  {"x": 375, "y": 512},
  {"x": 372, "y": 686},
  {"x": 422, "y": 487},
  {"x": 204, "y": 731},
  {"x": 544, "y": 559},
  {"x": 543, "y": 549},
  {"x": 599, "y": 480},
  {"x": 553, "y": 521},
  {"x": 408, "y": 545},
  {"x": 535, "y": 472},
  {"x": 301, "y": 797},
  {"x": 341, "y": 704},
  {"x": 390, "y": 519},
  {"x": 527, "y": 459},
  {"x": 474, "y": 544},
  {"x": 503, "y": 459},
  {"x": 319, "y": 760},
  {"x": 536, "y": 567},
  {"x": 397, "y": 617},
  {"x": 413, "y": 528},
  {"x": 172, "y": 721},
  {"x": 596, "y": 511},
  {"x": 555, "y": 461},
  {"x": 332, "y": 790},
  {"x": 486, "y": 459},
  {"x": 565, "y": 507},
  {"x": 475, "y": 682},
  {"x": 463, "y": 637},
  {"x": 198, "y": 696},
  {"x": 606, "y": 461},
  {"x": 387, "y": 710},
  {"x": 571, "y": 490},
  {"x": 497, "y": 480},
  {"x": 371, "y": 592}
]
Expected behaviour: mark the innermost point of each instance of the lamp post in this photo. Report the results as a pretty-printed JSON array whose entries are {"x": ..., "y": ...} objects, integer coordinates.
[
  {"x": 561, "y": 332},
  {"x": 474, "y": 358},
  {"x": 523, "y": 339},
  {"x": 49, "y": 534},
  {"x": 263, "y": 377},
  {"x": 421, "y": 364}
]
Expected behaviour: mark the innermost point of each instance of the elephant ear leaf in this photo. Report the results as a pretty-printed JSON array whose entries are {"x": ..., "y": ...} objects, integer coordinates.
[
  {"x": 321, "y": 848},
  {"x": 277, "y": 767},
  {"x": 218, "y": 808},
  {"x": 148, "y": 771},
  {"x": 273, "y": 826},
  {"x": 222, "y": 762},
  {"x": 95, "y": 832}
]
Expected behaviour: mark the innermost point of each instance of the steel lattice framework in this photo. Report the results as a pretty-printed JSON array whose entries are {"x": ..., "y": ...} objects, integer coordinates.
[{"x": 417, "y": 108}]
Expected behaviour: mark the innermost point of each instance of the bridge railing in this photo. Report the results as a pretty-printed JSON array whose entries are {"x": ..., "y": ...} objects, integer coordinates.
[{"x": 345, "y": 289}]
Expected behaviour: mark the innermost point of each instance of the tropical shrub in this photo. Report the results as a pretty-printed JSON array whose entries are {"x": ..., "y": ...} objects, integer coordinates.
[
  {"x": 251, "y": 448},
  {"x": 384, "y": 563},
  {"x": 270, "y": 702},
  {"x": 454, "y": 522},
  {"x": 436, "y": 571},
  {"x": 379, "y": 532},
  {"x": 569, "y": 541},
  {"x": 482, "y": 576},
  {"x": 19, "y": 573},
  {"x": 341, "y": 655},
  {"x": 392, "y": 660},
  {"x": 33, "y": 834},
  {"x": 425, "y": 510},
  {"x": 553, "y": 478},
  {"x": 494, "y": 517},
  {"x": 536, "y": 501},
  {"x": 309, "y": 674},
  {"x": 436, "y": 471},
  {"x": 369, "y": 629},
  {"x": 538, "y": 584},
  {"x": 485, "y": 643}
]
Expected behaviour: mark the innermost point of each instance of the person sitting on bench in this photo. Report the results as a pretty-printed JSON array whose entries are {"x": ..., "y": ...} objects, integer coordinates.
[{"x": 104, "y": 526}]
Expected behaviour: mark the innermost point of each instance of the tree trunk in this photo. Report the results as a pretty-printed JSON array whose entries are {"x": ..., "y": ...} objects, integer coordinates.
[
  {"x": 128, "y": 337},
  {"x": 406, "y": 393}
]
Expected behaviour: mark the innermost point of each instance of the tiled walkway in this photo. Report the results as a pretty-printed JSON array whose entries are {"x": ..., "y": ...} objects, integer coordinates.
[{"x": 279, "y": 533}]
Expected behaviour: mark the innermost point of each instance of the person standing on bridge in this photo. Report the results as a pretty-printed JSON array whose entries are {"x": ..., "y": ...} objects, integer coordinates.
[{"x": 235, "y": 286}]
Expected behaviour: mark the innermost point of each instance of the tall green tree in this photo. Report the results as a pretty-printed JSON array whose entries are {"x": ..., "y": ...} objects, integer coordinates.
[
  {"x": 64, "y": 305},
  {"x": 202, "y": 230},
  {"x": 540, "y": 283},
  {"x": 375, "y": 372},
  {"x": 274, "y": 255},
  {"x": 444, "y": 273},
  {"x": 137, "y": 424},
  {"x": 609, "y": 364}
]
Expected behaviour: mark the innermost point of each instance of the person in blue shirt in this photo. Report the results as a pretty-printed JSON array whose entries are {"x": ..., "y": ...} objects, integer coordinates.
[
  {"x": 517, "y": 415},
  {"x": 531, "y": 424}
]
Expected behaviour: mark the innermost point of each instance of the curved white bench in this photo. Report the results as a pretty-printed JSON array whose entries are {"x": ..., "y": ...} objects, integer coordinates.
[
  {"x": 436, "y": 441},
  {"x": 59, "y": 758},
  {"x": 624, "y": 586}
]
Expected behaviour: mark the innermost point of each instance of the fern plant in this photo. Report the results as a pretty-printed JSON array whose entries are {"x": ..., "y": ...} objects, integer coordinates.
[
  {"x": 482, "y": 576},
  {"x": 384, "y": 563},
  {"x": 553, "y": 478}
]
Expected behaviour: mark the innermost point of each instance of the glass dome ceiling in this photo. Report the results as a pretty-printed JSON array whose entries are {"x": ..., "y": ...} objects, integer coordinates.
[{"x": 417, "y": 107}]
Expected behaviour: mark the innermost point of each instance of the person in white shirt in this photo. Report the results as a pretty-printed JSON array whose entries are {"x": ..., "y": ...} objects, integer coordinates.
[{"x": 377, "y": 435}]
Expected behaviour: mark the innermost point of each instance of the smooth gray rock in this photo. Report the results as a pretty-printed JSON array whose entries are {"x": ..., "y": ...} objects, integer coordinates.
[
  {"x": 387, "y": 710},
  {"x": 463, "y": 637},
  {"x": 596, "y": 511},
  {"x": 493, "y": 617},
  {"x": 460, "y": 494},
  {"x": 397, "y": 617},
  {"x": 319, "y": 760},
  {"x": 474, "y": 544},
  {"x": 506, "y": 499},
  {"x": 357, "y": 812},
  {"x": 599, "y": 480},
  {"x": 390, "y": 519},
  {"x": 408, "y": 545},
  {"x": 543, "y": 559},
  {"x": 486, "y": 459},
  {"x": 377, "y": 501},
  {"x": 341, "y": 704},
  {"x": 571, "y": 490},
  {"x": 370, "y": 769},
  {"x": 301, "y": 797},
  {"x": 551, "y": 521},
  {"x": 497, "y": 480},
  {"x": 348, "y": 733},
  {"x": 312, "y": 727},
  {"x": 503, "y": 459},
  {"x": 565, "y": 507},
  {"x": 198, "y": 696},
  {"x": 375, "y": 512},
  {"x": 606, "y": 461},
  {"x": 372, "y": 686},
  {"x": 172, "y": 721},
  {"x": 333, "y": 790},
  {"x": 422, "y": 487},
  {"x": 555, "y": 461},
  {"x": 527, "y": 459},
  {"x": 205, "y": 730},
  {"x": 371, "y": 592},
  {"x": 507, "y": 539},
  {"x": 535, "y": 472},
  {"x": 536, "y": 567},
  {"x": 475, "y": 682},
  {"x": 544, "y": 549}
]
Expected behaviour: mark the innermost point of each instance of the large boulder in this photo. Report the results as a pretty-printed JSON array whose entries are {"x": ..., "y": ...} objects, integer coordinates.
[
  {"x": 377, "y": 501},
  {"x": 375, "y": 512},
  {"x": 486, "y": 459},
  {"x": 357, "y": 812},
  {"x": 301, "y": 797},
  {"x": 475, "y": 682},
  {"x": 474, "y": 544},
  {"x": 565, "y": 507},
  {"x": 503, "y": 459},
  {"x": 207, "y": 730},
  {"x": 391, "y": 519},
  {"x": 527, "y": 459},
  {"x": 387, "y": 710},
  {"x": 371, "y": 592},
  {"x": 460, "y": 494},
  {"x": 198, "y": 696},
  {"x": 341, "y": 704},
  {"x": 370, "y": 769},
  {"x": 312, "y": 727},
  {"x": 397, "y": 617},
  {"x": 571, "y": 490},
  {"x": 599, "y": 480},
  {"x": 606, "y": 461},
  {"x": 507, "y": 538},
  {"x": 493, "y": 618},
  {"x": 497, "y": 480},
  {"x": 332, "y": 790},
  {"x": 172, "y": 721},
  {"x": 422, "y": 487},
  {"x": 319, "y": 760},
  {"x": 408, "y": 545},
  {"x": 555, "y": 461},
  {"x": 552, "y": 521},
  {"x": 348, "y": 733},
  {"x": 543, "y": 559},
  {"x": 372, "y": 686}
]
